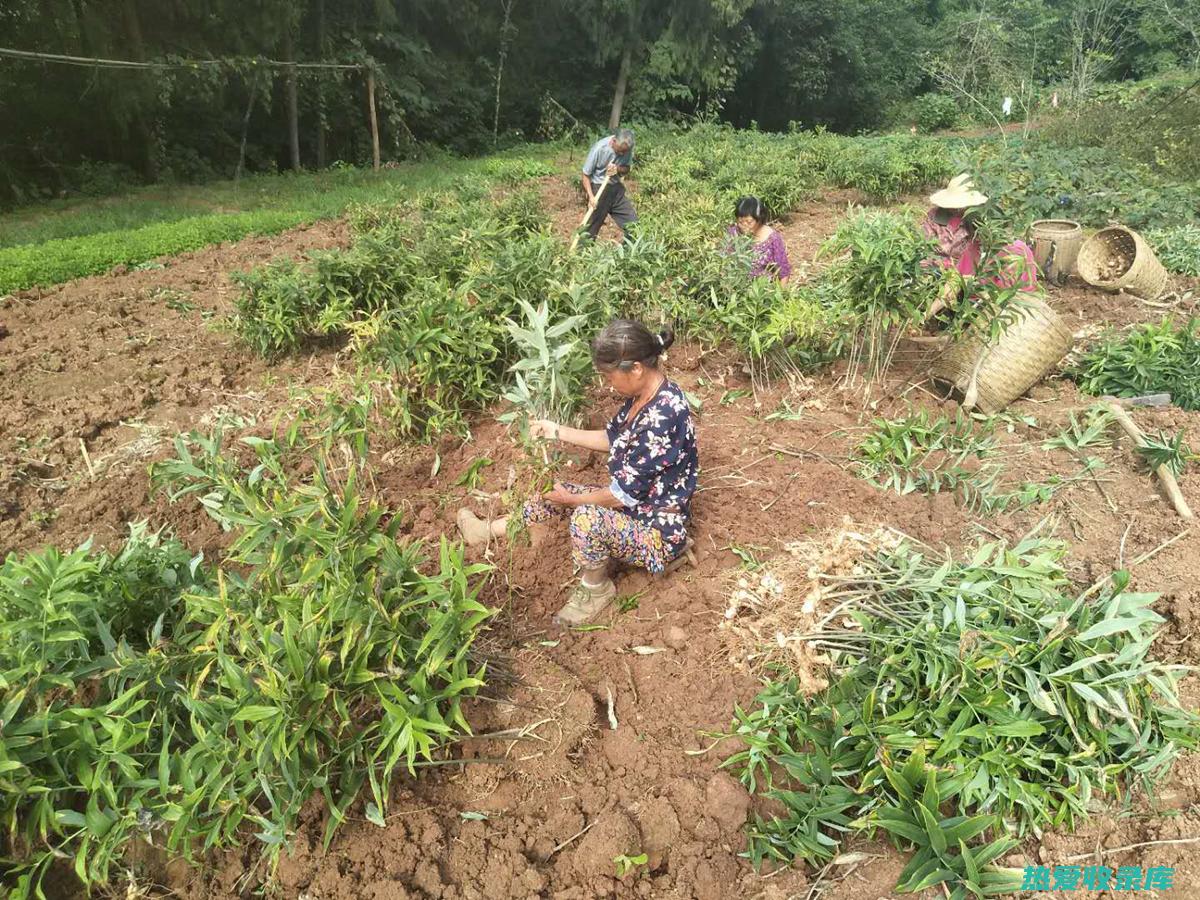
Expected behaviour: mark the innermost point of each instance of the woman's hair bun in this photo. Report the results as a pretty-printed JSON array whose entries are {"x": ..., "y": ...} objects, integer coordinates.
[{"x": 666, "y": 338}]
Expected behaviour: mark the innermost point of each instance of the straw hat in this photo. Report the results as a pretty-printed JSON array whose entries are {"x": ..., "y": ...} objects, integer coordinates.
[{"x": 958, "y": 194}]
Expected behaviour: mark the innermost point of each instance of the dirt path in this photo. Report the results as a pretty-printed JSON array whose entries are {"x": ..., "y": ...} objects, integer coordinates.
[{"x": 546, "y": 814}]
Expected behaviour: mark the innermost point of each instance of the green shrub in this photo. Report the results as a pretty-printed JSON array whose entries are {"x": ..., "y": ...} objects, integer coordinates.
[
  {"x": 514, "y": 171},
  {"x": 934, "y": 112},
  {"x": 142, "y": 697},
  {"x": 1178, "y": 248},
  {"x": 1158, "y": 129},
  {"x": 886, "y": 168},
  {"x": 1034, "y": 179},
  {"x": 276, "y": 308},
  {"x": 881, "y": 275},
  {"x": 445, "y": 356}
]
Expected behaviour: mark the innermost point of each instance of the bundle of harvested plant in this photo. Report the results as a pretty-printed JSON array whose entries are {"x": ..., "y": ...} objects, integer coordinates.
[{"x": 968, "y": 697}]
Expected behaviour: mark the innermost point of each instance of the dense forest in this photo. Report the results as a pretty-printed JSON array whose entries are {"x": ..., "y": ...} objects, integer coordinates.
[{"x": 468, "y": 76}]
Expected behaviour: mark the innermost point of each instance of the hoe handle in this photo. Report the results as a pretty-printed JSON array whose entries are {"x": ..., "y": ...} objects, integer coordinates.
[{"x": 587, "y": 216}]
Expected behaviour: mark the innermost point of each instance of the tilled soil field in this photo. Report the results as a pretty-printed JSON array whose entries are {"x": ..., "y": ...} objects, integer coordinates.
[{"x": 614, "y": 751}]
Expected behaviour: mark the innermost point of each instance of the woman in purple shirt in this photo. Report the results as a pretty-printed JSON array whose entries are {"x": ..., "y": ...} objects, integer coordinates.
[{"x": 770, "y": 255}]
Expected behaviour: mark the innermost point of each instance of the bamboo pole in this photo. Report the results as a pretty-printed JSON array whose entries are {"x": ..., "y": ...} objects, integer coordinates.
[
  {"x": 1164, "y": 474},
  {"x": 374, "y": 119}
]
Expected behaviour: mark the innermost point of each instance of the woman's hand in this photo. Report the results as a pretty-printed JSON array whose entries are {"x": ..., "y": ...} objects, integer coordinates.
[
  {"x": 561, "y": 496},
  {"x": 543, "y": 429}
]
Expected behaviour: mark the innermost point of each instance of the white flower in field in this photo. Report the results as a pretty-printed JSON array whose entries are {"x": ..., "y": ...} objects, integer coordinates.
[
  {"x": 780, "y": 639},
  {"x": 731, "y": 612},
  {"x": 743, "y": 583},
  {"x": 810, "y": 606}
]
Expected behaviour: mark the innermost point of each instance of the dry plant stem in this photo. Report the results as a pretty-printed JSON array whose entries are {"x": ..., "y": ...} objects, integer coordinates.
[
  {"x": 1145, "y": 557},
  {"x": 574, "y": 837},
  {"x": 1164, "y": 474},
  {"x": 1105, "y": 852},
  {"x": 87, "y": 459}
]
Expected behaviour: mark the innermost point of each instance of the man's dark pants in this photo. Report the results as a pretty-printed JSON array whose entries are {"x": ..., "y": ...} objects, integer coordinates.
[{"x": 612, "y": 202}]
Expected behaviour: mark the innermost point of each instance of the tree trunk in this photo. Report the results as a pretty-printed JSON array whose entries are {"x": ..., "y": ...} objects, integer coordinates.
[
  {"x": 241, "y": 163},
  {"x": 321, "y": 86},
  {"x": 614, "y": 118},
  {"x": 293, "y": 108},
  {"x": 374, "y": 119},
  {"x": 137, "y": 49},
  {"x": 505, "y": 35}
]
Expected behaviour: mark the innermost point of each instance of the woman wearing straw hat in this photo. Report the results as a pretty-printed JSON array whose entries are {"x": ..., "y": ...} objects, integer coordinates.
[{"x": 949, "y": 224}]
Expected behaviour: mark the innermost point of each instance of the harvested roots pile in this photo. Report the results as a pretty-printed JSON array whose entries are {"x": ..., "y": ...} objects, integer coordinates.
[
  {"x": 772, "y": 608},
  {"x": 1116, "y": 258}
]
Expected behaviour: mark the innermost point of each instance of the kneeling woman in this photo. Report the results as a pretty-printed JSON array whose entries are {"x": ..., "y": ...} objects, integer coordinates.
[{"x": 640, "y": 517}]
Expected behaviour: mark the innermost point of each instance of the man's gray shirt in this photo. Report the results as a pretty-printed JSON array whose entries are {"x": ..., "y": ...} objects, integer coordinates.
[{"x": 600, "y": 156}]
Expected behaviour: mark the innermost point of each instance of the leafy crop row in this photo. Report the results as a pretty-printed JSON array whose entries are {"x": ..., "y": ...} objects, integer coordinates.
[
  {"x": 425, "y": 291},
  {"x": 60, "y": 245}
]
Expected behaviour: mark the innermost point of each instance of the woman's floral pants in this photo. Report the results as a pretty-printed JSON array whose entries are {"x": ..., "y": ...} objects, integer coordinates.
[{"x": 599, "y": 533}]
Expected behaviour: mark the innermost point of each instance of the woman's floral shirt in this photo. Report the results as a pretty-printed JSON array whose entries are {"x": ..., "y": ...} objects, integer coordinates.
[{"x": 653, "y": 463}]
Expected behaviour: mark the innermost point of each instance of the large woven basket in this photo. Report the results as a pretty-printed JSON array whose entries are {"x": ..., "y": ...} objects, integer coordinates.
[
  {"x": 1119, "y": 259},
  {"x": 992, "y": 375},
  {"x": 1056, "y": 244}
]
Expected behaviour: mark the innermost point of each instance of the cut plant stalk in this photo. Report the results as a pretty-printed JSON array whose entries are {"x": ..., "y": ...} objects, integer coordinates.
[{"x": 1164, "y": 473}]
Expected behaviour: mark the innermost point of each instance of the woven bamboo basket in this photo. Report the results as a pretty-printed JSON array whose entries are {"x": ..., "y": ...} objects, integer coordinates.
[
  {"x": 1119, "y": 259},
  {"x": 1056, "y": 244},
  {"x": 992, "y": 375}
]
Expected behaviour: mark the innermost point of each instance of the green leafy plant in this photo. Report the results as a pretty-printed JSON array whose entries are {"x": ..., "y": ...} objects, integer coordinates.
[
  {"x": 146, "y": 697},
  {"x": 879, "y": 272},
  {"x": 929, "y": 455},
  {"x": 1078, "y": 436},
  {"x": 1178, "y": 248},
  {"x": 1162, "y": 449},
  {"x": 626, "y": 864},
  {"x": 1150, "y": 358},
  {"x": 471, "y": 478},
  {"x": 934, "y": 112},
  {"x": 553, "y": 369},
  {"x": 970, "y": 697}
]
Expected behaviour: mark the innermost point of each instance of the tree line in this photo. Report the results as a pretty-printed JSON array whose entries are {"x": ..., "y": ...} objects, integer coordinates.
[{"x": 475, "y": 74}]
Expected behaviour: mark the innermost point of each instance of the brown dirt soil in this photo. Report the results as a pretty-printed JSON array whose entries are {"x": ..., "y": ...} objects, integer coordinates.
[{"x": 545, "y": 810}]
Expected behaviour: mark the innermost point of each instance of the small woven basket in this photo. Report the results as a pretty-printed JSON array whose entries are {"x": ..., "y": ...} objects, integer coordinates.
[
  {"x": 992, "y": 375},
  {"x": 1119, "y": 259},
  {"x": 1056, "y": 244}
]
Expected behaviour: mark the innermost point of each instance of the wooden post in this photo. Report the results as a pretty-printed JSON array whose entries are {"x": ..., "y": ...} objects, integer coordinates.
[{"x": 374, "y": 119}]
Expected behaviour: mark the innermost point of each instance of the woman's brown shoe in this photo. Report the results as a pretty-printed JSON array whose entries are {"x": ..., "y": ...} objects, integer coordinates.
[{"x": 586, "y": 602}]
